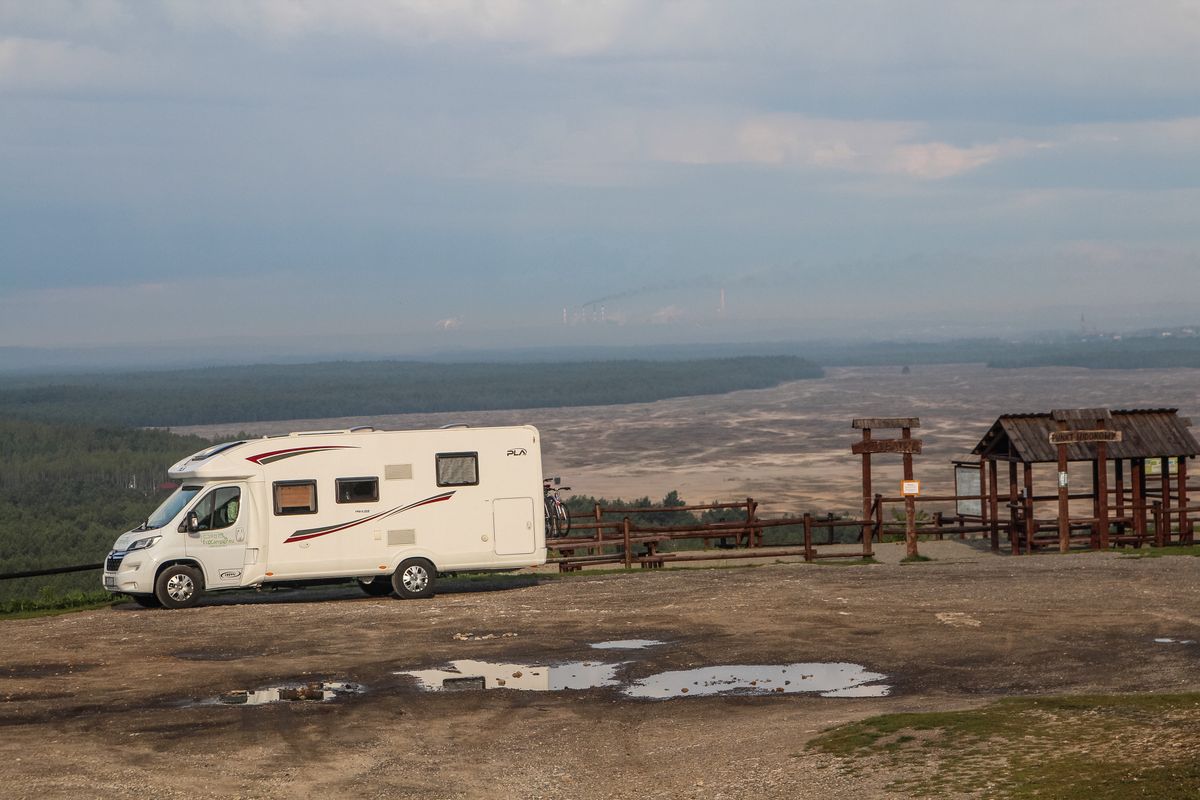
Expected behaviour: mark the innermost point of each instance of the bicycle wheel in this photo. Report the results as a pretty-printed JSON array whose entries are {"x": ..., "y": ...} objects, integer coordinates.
[
  {"x": 563, "y": 519},
  {"x": 551, "y": 520}
]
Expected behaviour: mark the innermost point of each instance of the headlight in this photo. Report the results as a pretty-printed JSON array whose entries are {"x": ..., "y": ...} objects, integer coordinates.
[{"x": 142, "y": 544}]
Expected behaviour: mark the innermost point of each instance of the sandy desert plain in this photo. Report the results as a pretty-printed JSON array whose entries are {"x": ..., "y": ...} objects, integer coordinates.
[
  {"x": 123, "y": 701},
  {"x": 789, "y": 447}
]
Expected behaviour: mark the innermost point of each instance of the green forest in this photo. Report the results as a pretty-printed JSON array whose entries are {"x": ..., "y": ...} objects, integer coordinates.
[
  {"x": 1141, "y": 352},
  {"x": 337, "y": 389},
  {"x": 67, "y": 491}
]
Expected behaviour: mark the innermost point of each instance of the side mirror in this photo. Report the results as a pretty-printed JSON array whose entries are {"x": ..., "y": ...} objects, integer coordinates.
[{"x": 191, "y": 524}]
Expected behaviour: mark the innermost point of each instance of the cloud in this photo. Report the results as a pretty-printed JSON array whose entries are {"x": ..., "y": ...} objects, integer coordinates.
[
  {"x": 937, "y": 160},
  {"x": 547, "y": 26},
  {"x": 28, "y": 63},
  {"x": 882, "y": 147}
]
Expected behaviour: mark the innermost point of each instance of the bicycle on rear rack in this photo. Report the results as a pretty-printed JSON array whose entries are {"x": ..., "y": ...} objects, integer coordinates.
[{"x": 558, "y": 518}]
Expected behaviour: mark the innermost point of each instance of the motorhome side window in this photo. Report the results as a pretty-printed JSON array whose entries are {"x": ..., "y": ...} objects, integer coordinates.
[
  {"x": 457, "y": 469},
  {"x": 357, "y": 490},
  {"x": 295, "y": 497}
]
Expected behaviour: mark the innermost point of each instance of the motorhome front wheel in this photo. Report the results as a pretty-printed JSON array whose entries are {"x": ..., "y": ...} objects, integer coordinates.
[
  {"x": 414, "y": 578},
  {"x": 179, "y": 586}
]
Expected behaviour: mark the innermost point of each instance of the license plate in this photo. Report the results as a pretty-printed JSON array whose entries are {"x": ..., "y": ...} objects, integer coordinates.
[{"x": 110, "y": 583}]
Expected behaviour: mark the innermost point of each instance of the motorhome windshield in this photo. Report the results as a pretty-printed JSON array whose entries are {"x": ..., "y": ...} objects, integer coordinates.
[{"x": 171, "y": 506}]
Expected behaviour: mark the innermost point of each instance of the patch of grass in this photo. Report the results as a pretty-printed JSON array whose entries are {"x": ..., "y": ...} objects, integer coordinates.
[
  {"x": 849, "y": 561},
  {"x": 1159, "y": 552},
  {"x": 47, "y": 605},
  {"x": 1090, "y": 747},
  {"x": 917, "y": 559}
]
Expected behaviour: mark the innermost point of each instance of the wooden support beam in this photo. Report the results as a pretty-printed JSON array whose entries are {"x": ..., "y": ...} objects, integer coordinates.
[
  {"x": 1166, "y": 498},
  {"x": 1014, "y": 536},
  {"x": 1138, "y": 491},
  {"x": 983, "y": 494},
  {"x": 1064, "y": 501},
  {"x": 910, "y": 502},
  {"x": 1185, "y": 525},
  {"x": 1101, "y": 489},
  {"x": 1030, "y": 523},
  {"x": 868, "y": 495},
  {"x": 1119, "y": 474},
  {"x": 994, "y": 499}
]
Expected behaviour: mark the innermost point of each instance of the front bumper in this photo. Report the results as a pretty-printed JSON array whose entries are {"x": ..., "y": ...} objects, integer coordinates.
[{"x": 129, "y": 573}]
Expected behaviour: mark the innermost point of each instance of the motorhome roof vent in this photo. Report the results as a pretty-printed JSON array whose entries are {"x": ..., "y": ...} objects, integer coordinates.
[
  {"x": 454, "y": 425},
  {"x": 361, "y": 429}
]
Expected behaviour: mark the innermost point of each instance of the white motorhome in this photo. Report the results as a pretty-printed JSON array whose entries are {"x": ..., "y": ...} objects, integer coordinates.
[{"x": 390, "y": 508}]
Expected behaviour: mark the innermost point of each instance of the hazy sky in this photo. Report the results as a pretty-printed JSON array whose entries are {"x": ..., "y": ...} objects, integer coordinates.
[{"x": 440, "y": 171}]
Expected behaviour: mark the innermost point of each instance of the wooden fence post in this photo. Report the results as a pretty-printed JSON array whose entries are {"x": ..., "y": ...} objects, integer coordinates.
[
  {"x": 751, "y": 508},
  {"x": 808, "y": 537},
  {"x": 628, "y": 546},
  {"x": 879, "y": 518},
  {"x": 1160, "y": 537}
]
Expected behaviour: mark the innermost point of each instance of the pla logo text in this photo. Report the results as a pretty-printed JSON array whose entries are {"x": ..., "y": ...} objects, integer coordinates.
[{"x": 518, "y": 451}]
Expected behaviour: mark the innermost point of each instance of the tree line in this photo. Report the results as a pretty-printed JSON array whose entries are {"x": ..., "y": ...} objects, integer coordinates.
[
  {"x": 338, "y": 389},
  {"x": 1142, "y": 352},
  {"x": 67, "y": 491}
]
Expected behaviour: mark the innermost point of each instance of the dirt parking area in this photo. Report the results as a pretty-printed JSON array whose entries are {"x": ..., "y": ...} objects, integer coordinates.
[{"x": 123, "y": 701}]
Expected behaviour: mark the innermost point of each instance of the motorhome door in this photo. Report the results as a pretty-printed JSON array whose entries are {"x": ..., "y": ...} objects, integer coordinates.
[
  {"x": 224, "y": 515},
  {"x": 514, "y": 531}
]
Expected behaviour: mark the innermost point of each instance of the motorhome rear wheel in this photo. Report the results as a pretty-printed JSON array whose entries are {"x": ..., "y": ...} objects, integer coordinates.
[{"x": 414, "y": 579}]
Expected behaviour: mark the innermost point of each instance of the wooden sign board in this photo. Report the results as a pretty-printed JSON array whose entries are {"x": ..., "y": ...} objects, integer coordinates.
[
  {"x": 911, "y": 446},
  {"x": 1083, "y": 437},
  {"x": 910, "y": 488},
  {"x": 1154, "y": 466},
  {"x": 874, "y": 423}
]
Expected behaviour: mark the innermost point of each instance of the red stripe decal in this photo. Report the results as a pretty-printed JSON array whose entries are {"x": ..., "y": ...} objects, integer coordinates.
[
  {"x": 258, "y": 459},
  {"x": 313, "y": 533}
]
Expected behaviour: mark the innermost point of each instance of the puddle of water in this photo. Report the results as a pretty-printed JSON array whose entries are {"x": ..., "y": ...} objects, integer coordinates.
[
  {"x": 828, "y": 680},
  {"x": 319, "y": 692},
  {"x": 625, "y": 644},
  {"x": 1175, "y": 641},
  {"x": 466, "y": 674}
]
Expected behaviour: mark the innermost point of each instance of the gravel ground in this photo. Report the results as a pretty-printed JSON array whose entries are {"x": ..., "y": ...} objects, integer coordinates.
[{"x": 104, "y": 702}]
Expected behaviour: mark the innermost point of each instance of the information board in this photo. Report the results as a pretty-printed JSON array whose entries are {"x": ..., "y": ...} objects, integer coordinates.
[{"x": 966, "y": 482}]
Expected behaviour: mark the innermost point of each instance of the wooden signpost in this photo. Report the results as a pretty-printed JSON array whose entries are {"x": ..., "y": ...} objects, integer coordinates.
[{"x": 905, "y": 446}]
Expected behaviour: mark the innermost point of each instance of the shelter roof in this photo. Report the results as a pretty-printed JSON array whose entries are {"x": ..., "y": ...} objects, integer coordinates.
[{"x": 1145, "y": 433}]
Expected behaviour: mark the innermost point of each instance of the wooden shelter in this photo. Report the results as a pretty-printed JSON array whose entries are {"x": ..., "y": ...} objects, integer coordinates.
[{"x": 1132, "y": 443}]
